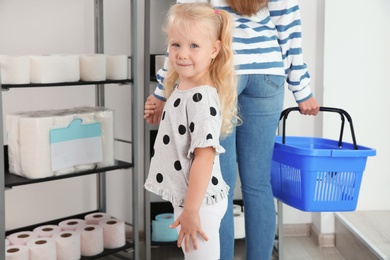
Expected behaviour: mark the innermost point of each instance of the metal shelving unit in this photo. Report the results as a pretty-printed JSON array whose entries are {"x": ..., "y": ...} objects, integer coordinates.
[{"x": 10, "y": 180}]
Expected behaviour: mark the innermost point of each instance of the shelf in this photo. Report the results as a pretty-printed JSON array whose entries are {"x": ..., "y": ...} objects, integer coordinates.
[
  {"x": 106, "y": 252},
  {"x": 11, "y": 180},
  {"x": 59, "y": 84}
]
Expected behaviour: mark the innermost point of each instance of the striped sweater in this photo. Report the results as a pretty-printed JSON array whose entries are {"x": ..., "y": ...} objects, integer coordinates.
[{"x": 269, "y": 42}]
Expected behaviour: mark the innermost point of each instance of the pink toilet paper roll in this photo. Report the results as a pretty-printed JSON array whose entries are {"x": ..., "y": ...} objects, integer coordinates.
[
  {"x": 21, "y": 238},
  {"x": 43, "y": 248},
  {"x": 18, "y": 252},
  {"x": 95, "y": 218},
  {"x": 46, "y": 230},
  {"x": 114, "y": 235},
  {"x": 72, "y": 224},
  {"x": 91, "y": 240},
  {"x": 68, "y": 245}
]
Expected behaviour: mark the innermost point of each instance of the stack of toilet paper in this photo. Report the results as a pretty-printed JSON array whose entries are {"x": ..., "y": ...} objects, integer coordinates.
[
  {"x": 54, "y": 142},
  {"x": 70, "y": 239},
  {"x": 61, "y": 68}
]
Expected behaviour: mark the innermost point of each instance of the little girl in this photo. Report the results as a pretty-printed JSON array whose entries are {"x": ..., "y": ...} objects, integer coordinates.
[{"x": 201, "y": 106}]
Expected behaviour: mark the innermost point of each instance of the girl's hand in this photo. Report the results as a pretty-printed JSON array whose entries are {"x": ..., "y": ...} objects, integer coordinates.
[{"x": 189, "y": 230}]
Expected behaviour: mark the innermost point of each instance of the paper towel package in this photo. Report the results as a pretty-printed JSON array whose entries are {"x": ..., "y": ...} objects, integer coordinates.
[{"x": 54, "y": 142}]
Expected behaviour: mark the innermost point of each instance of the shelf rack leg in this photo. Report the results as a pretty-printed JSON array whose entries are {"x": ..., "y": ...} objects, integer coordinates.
[{"x": 2, "y": 195}]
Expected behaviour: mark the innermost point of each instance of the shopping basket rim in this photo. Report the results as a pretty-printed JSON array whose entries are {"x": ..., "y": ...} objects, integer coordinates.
[{"x": 316, "y": 146}]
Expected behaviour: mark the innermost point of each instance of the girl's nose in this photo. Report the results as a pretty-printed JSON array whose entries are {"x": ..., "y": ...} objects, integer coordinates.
[{"x": 182, "y": 54}]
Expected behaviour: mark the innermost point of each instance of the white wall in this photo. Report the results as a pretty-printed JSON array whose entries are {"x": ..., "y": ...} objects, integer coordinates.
[{"x": 356, "y": 78}]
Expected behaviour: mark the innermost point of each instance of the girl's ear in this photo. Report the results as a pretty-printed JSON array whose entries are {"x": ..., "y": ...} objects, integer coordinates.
[{"x": 216, "y": 49}]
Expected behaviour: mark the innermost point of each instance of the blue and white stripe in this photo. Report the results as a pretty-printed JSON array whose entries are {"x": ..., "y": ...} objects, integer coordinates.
[{"x": 269, "y": 42}]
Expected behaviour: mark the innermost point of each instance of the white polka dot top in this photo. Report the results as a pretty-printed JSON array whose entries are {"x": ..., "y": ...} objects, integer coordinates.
[{"x": 191, "y": 119}]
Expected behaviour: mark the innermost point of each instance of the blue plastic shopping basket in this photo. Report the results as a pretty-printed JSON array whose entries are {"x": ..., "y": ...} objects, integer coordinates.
[{"x": 316, "y": 174}]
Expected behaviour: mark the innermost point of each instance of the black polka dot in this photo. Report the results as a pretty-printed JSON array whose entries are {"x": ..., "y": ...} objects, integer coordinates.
[
  {"x": 197, "y": 97},
  {"x": 192, "y": 127},
  {"x": 214, "y": 180},
  {"x": 209, "y": 136},
  {"x": 177, "y": 165},
  {"x": 177, "y": 102},
  {"x": 166, "y": 139},
  {"x": 213, "y": 111},
  {"x": 159, "y": 178},
  {"x": 182, "y": 129},
  {"x": 163, "y": 116},
  {"x": 152, "y": 153}
]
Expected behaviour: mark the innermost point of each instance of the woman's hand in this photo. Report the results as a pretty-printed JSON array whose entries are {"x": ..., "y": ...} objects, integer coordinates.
[{"x": 309, "y": 107}]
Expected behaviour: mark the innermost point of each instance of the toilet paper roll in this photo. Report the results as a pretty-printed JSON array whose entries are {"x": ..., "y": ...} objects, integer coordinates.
[
  {"x": 114, "y": 235},
  {"x": 116, "y": 67},
  {"x": 93, "y": 67},
  {"x": 15, "y": 69},
  {"x": 16, "y": 252},
  {"x": 91, "y": 240},
  {"x": 54, "y": 68},
  {"x": 237, "y": 208},
  {"x": 67, "y": 245},
  {"x": 161, "y": 232},
  {"x": 95, "y": 218},
  {"x": 239, "y": 225},
  {"x": 43, "y": 248},
  {"x": 7, "y": 243},
  {"x": 21, "y": 238},
  {"x": 46, "y": 230},
  {"x": 71, "y": 67},
  {"x": 72, "y": 224}
]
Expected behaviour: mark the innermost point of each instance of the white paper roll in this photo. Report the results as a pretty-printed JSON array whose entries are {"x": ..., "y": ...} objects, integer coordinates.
[
  {"x": 71, "y": 67},
  {"x": 15, "y": 69},
  {"x": 237, "y": 208},
  {"x": 21, "y": 238},
  {"x": 46, "y": 230},
  {"x": 95, "y": 218},
  {"x": 116, "y": 67},
  {"x": 68, "y": 245},
  {"x": 239, "y": 225},
  {"x": 17, "y": 252},
  {"x": 91, "y": 239},
  {"x": 93, "y": 67},
  {"x": 72, "y": 224},
  {"x": 7, "y": 243},
  {"x": 114, "y": 234},
  {"x": 54, "y": 68},
  {"x": 43, "y": 248}
]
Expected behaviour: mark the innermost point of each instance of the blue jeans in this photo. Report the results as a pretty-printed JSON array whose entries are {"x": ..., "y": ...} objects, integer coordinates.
[{"x": 260, "y": 101}]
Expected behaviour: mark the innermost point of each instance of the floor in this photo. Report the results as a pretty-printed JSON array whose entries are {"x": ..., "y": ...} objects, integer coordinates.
[
  {"x": 372, "y": 228},
  {"x": 295, "y": 248}
]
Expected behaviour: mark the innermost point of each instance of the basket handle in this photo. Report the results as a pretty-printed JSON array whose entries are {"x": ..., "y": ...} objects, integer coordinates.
[{"x": 340, "y": 111}]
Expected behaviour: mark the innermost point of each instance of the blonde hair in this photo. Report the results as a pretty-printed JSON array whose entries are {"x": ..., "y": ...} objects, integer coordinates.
[
  {"x": 247, "y": 7},
  {"x": 219, "y": 25}
]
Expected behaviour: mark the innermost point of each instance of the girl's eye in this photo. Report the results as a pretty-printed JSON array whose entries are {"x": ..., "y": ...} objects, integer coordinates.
[
  {"x": 175, "y": 45},
  {"x": 194, "y": 45}
]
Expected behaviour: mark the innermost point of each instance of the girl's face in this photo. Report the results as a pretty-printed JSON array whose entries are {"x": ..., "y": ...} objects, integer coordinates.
[{"x": 191, "y": 56}]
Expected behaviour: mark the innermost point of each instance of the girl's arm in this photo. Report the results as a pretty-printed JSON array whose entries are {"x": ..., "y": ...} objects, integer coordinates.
[{"x": 199, "y": 179}]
